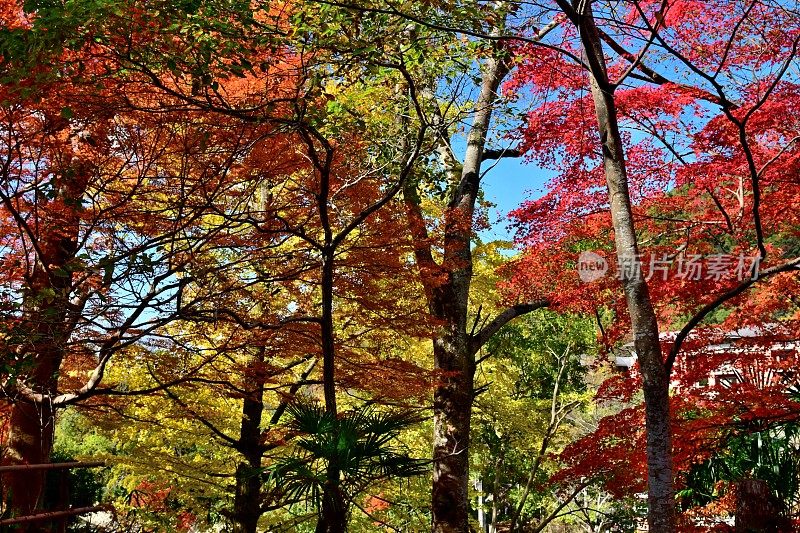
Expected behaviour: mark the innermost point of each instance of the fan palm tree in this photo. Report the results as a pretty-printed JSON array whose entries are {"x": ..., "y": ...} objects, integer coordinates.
[{"x": 360, "y": 445}]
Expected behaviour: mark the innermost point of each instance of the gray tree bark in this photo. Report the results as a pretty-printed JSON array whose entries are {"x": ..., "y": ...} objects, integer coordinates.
[
  {"x": 447, "y": 290},
  {"x": 644, "y": 326}
]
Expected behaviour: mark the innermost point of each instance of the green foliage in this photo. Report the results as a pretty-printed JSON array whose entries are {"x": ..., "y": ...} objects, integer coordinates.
[
  {"x": 76, "y": 440},
  {"x": 532, "y": 365},
  {"x": 532, "y": 343},
  {"x": 360, "y": 443},
  {"x": 771, "y": 455}
]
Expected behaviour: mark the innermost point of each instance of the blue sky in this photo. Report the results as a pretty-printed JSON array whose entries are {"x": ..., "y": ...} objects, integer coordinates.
[{"x": 508, "y": 184}]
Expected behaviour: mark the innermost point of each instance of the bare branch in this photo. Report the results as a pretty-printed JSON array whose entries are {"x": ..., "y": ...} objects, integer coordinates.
[
  {"x": 794, "y": 264},
  {"x": 501, "y": 153},
  {"x": 483, "y": 336}
]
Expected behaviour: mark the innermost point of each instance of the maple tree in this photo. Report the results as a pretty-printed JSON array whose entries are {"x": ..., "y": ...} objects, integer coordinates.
[
  {"x": 446, "y": 281},
  {"x": 81, "y": 266},
  {"x": 104, "y": 205},
  {"x": 676, "y": 198}
]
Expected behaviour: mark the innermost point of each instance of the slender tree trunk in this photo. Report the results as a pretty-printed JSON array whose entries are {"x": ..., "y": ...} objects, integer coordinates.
[
  {"x": 655, "y": 381},
  {"x": 333, "y": 514},
  {"x": 247, "y": 498},
  {"x": 453, "y": 351},
  {"x": 447, "y": 287},
  {"x": 334, "y": 511},
  {"x": 333, "y": 518},
  {"x": 496, "y": 491}
]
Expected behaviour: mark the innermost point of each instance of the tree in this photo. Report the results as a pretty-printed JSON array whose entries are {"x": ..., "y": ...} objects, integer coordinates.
[
  {"x": 534, "y": 385},
  {"x": 446, "y": 284},
  {"x": 83, "y": 267},
  {"x": 104, "y": 203},
  {"x": 302, "y": 243},
  {"x": 359, "y": 443},
  {"x": 260, "y": 316},
  {"x": 658, "y": 152}
]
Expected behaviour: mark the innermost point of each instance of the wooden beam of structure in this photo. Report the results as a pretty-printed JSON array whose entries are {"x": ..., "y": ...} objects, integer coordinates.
[
  {"x": 52, "y": 515},
  {"x": 52, "y": 466}
]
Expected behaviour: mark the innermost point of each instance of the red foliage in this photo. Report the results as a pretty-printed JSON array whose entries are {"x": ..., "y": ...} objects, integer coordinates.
[{"x": 713, "y": 165}]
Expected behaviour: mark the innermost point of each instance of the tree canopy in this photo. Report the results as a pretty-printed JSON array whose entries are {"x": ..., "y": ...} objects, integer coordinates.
[{"x": 249, "y": 263}]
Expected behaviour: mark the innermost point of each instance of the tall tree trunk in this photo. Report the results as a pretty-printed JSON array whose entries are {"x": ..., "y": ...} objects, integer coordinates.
[
  {"x": 247, "y": 498},
  {"x": 452, "y": 404},
  {"x": 333, "y": 516},
  {"x": 44, "y": 333},
  {"x": 655, "y": 381},
  {"x": 447, "y": 289}
]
